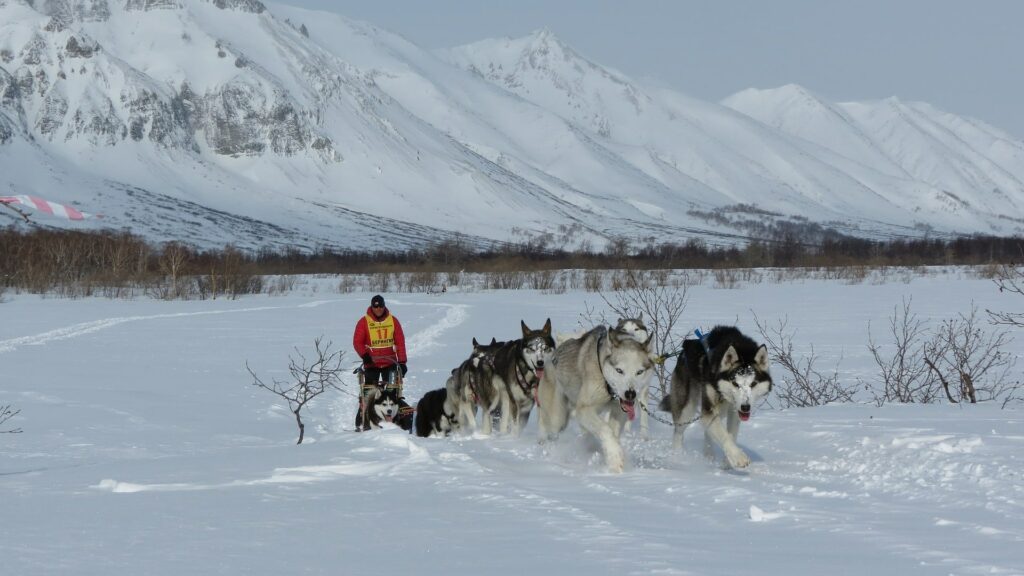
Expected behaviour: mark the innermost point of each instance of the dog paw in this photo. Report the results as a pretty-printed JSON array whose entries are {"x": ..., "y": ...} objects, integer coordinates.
[{"x": 738, "y": 459}]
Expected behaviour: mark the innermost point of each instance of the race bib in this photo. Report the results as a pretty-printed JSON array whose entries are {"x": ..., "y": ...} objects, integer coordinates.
[{"x": 382, "y": 333}]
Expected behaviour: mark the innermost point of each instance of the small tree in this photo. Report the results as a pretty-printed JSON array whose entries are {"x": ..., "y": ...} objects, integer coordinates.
[
  {"x": 6, "y": 413},
  {"x": 309, "y": 379}
]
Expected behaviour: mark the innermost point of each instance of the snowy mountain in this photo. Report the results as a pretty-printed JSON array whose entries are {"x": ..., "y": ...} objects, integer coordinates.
[{"x": 219, "y": 121}]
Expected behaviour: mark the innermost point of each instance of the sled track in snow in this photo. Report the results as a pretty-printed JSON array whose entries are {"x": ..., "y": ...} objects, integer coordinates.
[{"x": 83, "y": 328}]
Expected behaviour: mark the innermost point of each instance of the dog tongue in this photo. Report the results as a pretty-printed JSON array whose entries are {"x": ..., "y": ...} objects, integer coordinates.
[
  {"x": 539, "y": 372},
  {"x": 629, "y": 408},
  {"x": 744, "y": 416},
  {"x": 387, "y": 418}
]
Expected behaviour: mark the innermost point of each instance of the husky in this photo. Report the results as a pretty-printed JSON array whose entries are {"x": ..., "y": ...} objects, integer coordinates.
[
  {"x": 603, "y": 371},
  {"x": 728, "y": 373},
  {"x": 637, "y": 330},
  {"x": 472, "y": 385},
  {"x": 436, "y": 414},
  {"x": 518, "y": 368},
  {"x": 383, "y": 407}
]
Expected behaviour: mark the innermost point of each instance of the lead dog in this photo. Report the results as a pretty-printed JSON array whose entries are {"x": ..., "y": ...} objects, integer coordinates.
[
  {"x": 602, "y": 371},
  {"x": 727, "y": 373},
  {"x": 518, "y": 368}
]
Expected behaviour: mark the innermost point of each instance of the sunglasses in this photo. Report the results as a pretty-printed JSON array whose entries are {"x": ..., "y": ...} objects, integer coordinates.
[{"x": 377, "y": 306}]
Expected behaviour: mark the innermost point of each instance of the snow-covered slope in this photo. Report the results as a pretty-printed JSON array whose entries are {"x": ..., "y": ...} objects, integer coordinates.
[
  {"x": 221, "y": 121},
  {"x": 971, "y": 166}
]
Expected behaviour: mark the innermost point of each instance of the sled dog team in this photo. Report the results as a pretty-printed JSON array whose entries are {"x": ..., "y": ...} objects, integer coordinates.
[{"x": 599, "y": 378}]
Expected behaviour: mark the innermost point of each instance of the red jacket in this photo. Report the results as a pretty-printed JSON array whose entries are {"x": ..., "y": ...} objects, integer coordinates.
[{"x": 385, "y": 342}]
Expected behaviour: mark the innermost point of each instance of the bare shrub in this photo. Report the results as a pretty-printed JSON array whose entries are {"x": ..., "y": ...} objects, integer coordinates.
[
  {"x": 544, "y": 280},
  {"x": 593, "y": 281},
  {"x": 281, "y": 284},
  {"x": 348, "y": 283},
  {"x": 505, "y": 280},
  {"x": 381, "y": 282},
  {"x": 1010, "y": 280},
  {"x": 6, "y": 413},
  {"x": 309, "y": 379},
  {"x": 971, "y": 364},
  {"x": 726, "y": 278},
  {"x": 803, "y": 384},
  {"x": 453, "y": 278},
  {"x": 903, "y": 374}
]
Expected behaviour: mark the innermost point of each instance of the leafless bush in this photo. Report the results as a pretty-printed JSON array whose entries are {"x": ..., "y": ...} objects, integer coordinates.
[
  {"x": 348, "y": 283},
  {"x": 309, "y": 379},
  {"x": 505, "y": 280},
  {"x": 971, "y": 363},
  {"x": 381, "y": 282},
  {"x": 544, "y": 280},
  {"x": 904, "y": 376},
  {"x": 803, "y": 384},
  {"x": 6, "y": 413},
  {"x": 1010, "y": 280},
  {"x": 281, "y": 284},
  {"x": 453, "y": 278},
  {"x": 726, "y": 278}
]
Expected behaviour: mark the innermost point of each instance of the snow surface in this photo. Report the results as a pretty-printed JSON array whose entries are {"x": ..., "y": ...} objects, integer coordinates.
[{"x": 146, "y": 450}]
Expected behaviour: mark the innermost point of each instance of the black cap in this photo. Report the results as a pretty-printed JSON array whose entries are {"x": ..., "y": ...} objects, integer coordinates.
[{"x": 377, "y": 300}]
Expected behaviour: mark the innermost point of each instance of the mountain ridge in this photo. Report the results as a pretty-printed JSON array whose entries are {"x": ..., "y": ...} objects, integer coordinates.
[{"x": 312, "y": 127}]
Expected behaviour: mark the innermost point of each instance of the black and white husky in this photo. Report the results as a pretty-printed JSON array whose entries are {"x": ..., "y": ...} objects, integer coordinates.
[
  {"x": 384, "y": 407},
  {"x": 435, "y": 414},
  {"x": 518, "y": 368},
  {"x": 727, "y": 373},
  {"x": 602, "y": 371},
  {"x": 472, "y": 385}
]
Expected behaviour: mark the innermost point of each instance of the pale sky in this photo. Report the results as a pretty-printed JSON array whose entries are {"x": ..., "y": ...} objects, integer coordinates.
[{"x": 966, "y": 57}]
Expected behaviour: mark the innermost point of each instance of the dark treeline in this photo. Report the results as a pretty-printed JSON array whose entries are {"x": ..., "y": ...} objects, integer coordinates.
[{"x": 51, "y": 260}]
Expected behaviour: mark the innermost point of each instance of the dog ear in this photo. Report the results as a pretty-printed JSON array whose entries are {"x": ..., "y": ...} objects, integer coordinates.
[
  {"x": 729, "y": 360},
  {"x": 640, "y": 317},
  {"x": 761, "y": 358},
  {"x": 547, "y": 328},
  {"x": 475, "y": 343},
  {"x": 526, "y": 329},
  {"x": 493, "y": 341},
  {"x": 648, "y": 342}
]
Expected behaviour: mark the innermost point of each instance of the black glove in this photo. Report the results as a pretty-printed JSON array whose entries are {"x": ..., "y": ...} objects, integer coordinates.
[
  {"x": 403, "y": 368},
  {"x": 367, "y": 359}
]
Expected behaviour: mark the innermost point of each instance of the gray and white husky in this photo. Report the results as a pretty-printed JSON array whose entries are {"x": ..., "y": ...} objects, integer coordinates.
[
  {"x": 602, "y": 371},
  {"x": 727, "y": 373},
  {"x": 472, "y": 385},
  {"x": 519, "y": 366}
]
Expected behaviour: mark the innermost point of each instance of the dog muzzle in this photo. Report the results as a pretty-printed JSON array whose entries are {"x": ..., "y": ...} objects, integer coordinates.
[
  {"x": 628, "y": 403},
  {"x": 744, "y": 412}
]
